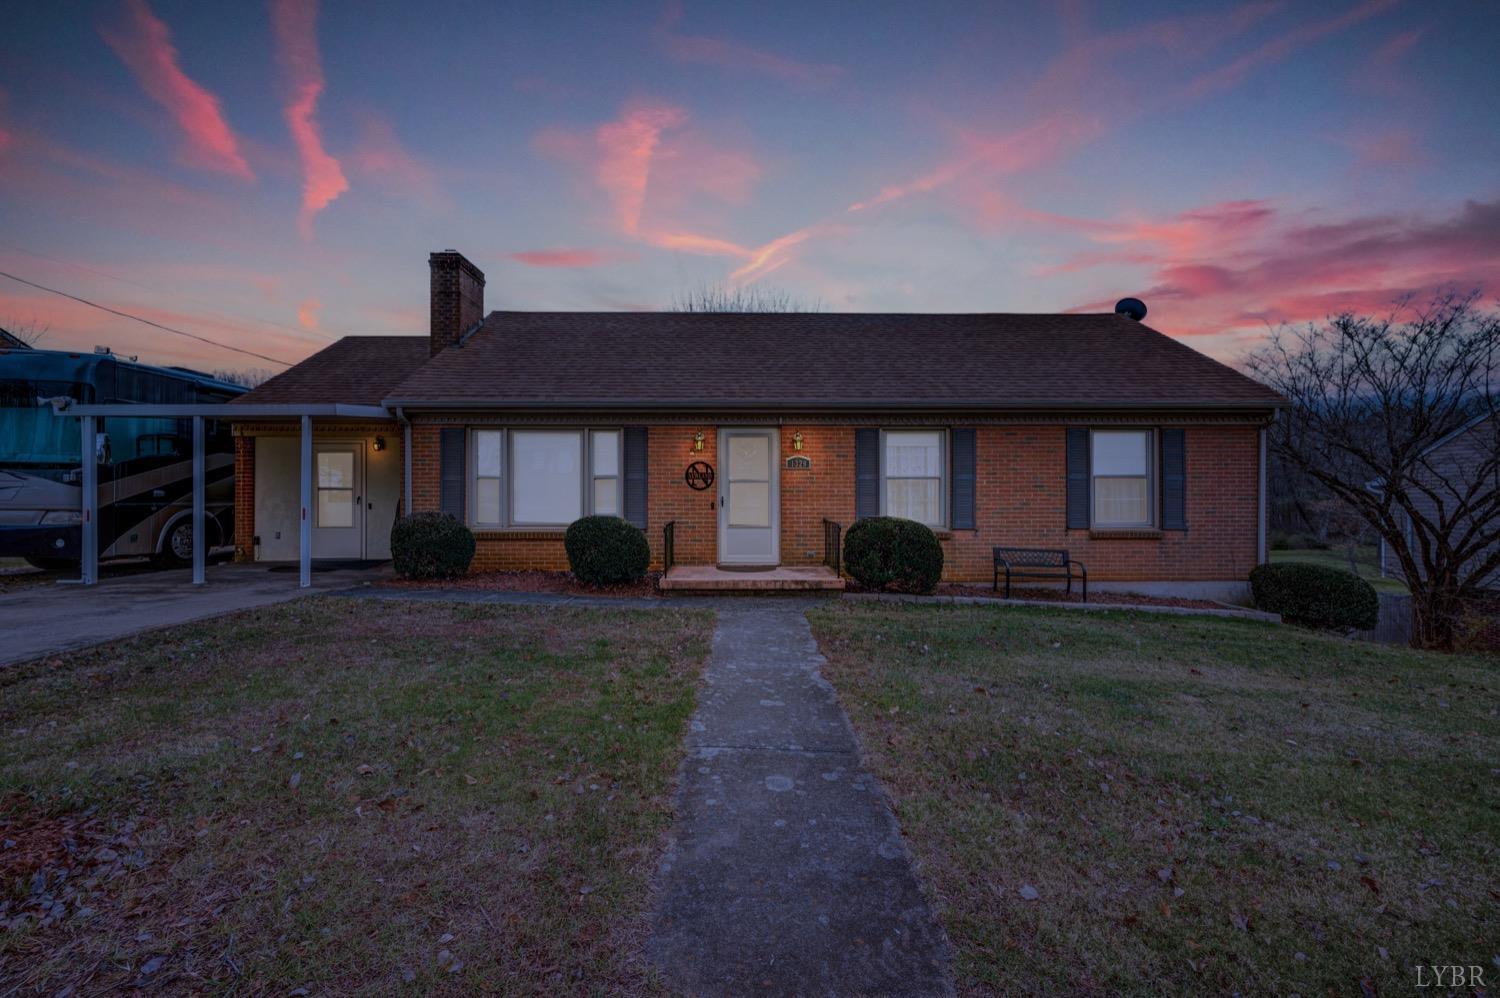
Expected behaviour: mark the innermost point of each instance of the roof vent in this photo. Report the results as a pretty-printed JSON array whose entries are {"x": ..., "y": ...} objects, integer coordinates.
[{"x": 1132, "y": 308}]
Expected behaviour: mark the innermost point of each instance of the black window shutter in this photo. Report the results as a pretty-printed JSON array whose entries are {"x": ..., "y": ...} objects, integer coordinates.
[
  {"x": 451, "y": 471},
  {"x": 866, "y": 473},
  {"x": 1078, "y": 478},
  {"x": 1173, "y": 480},
  {"x": 635, "y": 475},
  {"x": 962, "y": 517}
]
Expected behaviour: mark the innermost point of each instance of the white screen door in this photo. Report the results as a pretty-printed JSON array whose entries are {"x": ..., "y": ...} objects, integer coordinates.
[
  {"x": 338, "y": 502},
  {"x": 749, "y": 497}
]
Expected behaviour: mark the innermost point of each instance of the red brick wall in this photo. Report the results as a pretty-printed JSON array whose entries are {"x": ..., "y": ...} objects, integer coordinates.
[
  {"x": 826, "y": 490},
  {"x": 244, "y": 498},
  {"x": 670, "y": 498},
  {"x": 1020, "y": 492},
  {"x": 1019, "y": 495}
]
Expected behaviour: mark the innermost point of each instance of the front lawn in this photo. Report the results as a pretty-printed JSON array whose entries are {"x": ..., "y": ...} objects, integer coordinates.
[
  {"x": 344, "y": 795},
  {"x": 1116, "y": 802}
]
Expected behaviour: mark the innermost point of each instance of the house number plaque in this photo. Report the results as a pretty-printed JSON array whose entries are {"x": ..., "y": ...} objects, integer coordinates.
[{"x": 699, "y": 476}]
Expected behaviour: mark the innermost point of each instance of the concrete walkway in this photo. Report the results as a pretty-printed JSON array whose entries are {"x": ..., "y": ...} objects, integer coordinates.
[
  {"x": 786, "y": 873},
  {"x": 56, "y": 617}
]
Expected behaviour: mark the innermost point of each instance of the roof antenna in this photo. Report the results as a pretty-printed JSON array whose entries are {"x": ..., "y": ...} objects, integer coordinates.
[{"x": 1131, "y": 308}]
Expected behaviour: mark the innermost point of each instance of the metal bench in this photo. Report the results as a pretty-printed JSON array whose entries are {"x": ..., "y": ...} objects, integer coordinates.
[{"x": 1038, "y": 563}]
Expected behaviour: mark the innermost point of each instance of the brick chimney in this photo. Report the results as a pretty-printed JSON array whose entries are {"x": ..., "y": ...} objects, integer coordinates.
[{"x": 457, "y": 298}]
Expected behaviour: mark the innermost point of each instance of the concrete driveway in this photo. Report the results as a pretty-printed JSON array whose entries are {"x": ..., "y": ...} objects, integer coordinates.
[{"x": 46, "y": 619}]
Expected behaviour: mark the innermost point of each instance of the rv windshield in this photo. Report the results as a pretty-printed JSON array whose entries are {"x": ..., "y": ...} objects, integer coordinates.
[{"x": 32, "y": 434}]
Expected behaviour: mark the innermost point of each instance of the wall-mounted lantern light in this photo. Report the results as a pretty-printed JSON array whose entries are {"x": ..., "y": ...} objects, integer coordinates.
[
  {"x": 379, "y": 443},
  {"x": 797, "y": 440},
  {"x": 698, "y": 441}
]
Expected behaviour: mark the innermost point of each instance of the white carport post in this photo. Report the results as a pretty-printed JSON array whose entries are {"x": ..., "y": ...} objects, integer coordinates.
[
  {"x": 306, "y": 464},
  {"x": 88, "y": 557},
  {"x": 200, "y": 535}
]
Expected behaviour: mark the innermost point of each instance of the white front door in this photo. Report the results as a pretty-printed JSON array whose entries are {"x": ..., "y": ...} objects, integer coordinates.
[
  {"x": 749, "y": 497},
  {"x": 338, "y": 501}
]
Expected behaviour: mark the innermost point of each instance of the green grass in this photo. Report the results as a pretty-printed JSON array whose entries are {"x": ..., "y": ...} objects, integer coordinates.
[
  {"x": 498, "y": 774},
  {"x": 1179, "y": 791},
  {"x": 1366, "y": 560}
]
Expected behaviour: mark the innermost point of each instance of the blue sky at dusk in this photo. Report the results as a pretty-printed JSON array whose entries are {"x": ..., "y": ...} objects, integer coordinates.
[{"x": 273, "y": 175}]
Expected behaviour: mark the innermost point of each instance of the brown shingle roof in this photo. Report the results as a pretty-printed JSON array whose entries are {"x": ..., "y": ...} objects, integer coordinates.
[
  {"x": 356, "y": 370},
  {"x": 675, "y": 359}
]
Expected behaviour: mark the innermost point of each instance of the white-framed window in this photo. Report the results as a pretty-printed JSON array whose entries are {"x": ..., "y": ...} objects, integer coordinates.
[
  {"x": 1121, "y": 478},
  {"x": 543, "y": 477},
  {"x": 605, "y": 458},
  {"x": 913, "y": 473},
  {"x": 487, "y": 460}
]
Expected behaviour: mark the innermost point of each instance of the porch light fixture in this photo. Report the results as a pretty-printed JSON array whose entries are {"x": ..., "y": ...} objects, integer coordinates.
[
  {"x": 698, "y": 442},
  {"x": 797, "y": 440},
  {"x": 379, "y": 443}
]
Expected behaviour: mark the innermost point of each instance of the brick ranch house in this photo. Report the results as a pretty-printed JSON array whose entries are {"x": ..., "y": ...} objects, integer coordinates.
[{"x": 1094, "y": 433}]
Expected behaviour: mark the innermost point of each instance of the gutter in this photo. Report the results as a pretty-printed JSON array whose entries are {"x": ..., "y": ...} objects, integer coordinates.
[{"x": 804, "y": 406}]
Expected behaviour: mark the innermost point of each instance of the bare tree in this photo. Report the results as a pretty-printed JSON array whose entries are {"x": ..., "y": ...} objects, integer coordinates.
[
  {"x": 28, "y": 332},
  {"x": 1371, "y": 400},
  {"x": 755, "y": 298},
  {"x": 250, "y": 377}
]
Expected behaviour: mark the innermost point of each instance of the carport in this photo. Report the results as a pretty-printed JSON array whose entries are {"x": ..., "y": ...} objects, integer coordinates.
[{"x": 89, "y": 415}]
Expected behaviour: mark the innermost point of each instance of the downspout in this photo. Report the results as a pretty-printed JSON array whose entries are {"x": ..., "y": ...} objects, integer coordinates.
[
  {"x": 405, "y": 460},
  {"x": 1261, "y": 555}
]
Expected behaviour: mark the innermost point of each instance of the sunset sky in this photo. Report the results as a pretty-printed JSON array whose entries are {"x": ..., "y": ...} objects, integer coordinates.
[{"x": 273, "y": 175}]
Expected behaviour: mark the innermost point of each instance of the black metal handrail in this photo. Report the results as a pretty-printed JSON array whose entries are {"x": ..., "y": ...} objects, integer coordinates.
[
  {"x": 833, "y": 551},
  {"x": 669, "y": 543}
]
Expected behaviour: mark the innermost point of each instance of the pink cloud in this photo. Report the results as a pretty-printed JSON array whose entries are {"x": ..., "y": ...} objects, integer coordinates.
[
  {"x": 295, "y": 25},
  {"x": 1384, "y": 148},
  {"x": 736, "y": 56},
  {"x": 1242, "y": 265},
  {"x": 1089, "y": 92},
  {"x": 145, "y": 46},
  {"x": 626, "y": 148},
  {"x": 567, "y": 257},
  {"x": 307, "y": 314},
  {"x": 638, "y": 158},
  {"x": 381, "y": 156},
  {"x": 1278, "y": 48},
  {"x": 1384, "y": 72}
]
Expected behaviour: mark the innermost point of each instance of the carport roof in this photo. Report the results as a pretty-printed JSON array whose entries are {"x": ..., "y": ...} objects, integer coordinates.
[{"x": 359, "y": 370}]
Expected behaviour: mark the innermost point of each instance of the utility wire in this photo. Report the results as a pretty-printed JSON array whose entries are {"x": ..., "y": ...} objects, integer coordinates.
[
  {"x": 146, "y": 287},
  {"x": 127, "y": 315}
]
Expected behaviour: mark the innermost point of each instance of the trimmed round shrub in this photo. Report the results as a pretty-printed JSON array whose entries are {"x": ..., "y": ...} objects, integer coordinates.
[
  {"x": 887, "y": 552},
  {"x": 431, "y": 546},
  {"x": 1315, "y": 595},
  {"x": 604, "y": 550}
]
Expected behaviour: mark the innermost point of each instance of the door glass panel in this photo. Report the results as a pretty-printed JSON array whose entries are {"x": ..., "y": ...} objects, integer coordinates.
[
  {"x": 335, "y": 470},
  {"x": 335, "y": 507},
  {"x": 749, "y": 457},
  {"x": 749, "y": 504}
]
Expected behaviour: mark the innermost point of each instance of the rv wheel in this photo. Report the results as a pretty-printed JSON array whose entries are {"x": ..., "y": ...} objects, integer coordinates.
[{"x": 177, "y": 547}]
